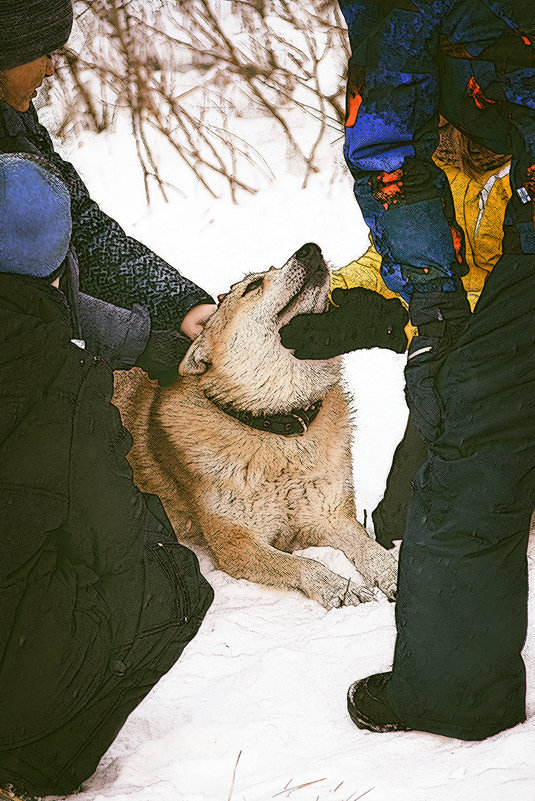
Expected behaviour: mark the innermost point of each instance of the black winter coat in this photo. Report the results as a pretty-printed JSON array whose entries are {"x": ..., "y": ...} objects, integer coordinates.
[{"x": 90, "y": 566}]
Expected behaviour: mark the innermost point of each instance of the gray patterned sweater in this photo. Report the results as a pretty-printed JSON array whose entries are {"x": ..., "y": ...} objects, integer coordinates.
[{"x": 113, "y": 266}]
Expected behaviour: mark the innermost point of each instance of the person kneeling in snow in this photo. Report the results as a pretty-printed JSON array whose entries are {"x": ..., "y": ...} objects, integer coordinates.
[
  {"x": 98, "y": 598},
  {"x": 157, "y": 310}
]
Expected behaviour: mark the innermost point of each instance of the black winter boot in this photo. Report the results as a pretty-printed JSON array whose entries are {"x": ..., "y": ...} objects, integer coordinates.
[{"x": 368, "y": 706}]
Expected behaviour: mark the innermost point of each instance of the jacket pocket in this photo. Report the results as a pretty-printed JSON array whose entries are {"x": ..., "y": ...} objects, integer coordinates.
[
  {"x": 166, "y": 599},
  {"x": 176, "y": 593}
]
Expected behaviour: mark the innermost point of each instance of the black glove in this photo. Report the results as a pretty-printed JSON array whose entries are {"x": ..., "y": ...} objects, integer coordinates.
[
  {"x": 442, "y": 318},
  {"x": 361, "y": 318},
  {"x": 162, "y": 355}
]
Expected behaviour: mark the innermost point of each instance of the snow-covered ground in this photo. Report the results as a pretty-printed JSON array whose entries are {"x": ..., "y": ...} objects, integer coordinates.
[{"x": 255, "y": 708}]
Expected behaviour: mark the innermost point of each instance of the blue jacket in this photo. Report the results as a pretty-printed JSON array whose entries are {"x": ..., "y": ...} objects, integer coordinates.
[{"x": 473, "y": 62}]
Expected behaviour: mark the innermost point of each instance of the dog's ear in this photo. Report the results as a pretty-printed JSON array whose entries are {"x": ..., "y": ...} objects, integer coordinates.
[{"x": 198, "y": 358}]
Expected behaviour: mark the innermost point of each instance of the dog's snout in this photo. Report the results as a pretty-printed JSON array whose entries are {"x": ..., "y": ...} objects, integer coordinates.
[{"x": 309, "y": 254}]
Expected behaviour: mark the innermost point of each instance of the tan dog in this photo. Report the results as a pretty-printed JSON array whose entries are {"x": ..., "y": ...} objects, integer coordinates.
[{"x": 253, "y": 493}]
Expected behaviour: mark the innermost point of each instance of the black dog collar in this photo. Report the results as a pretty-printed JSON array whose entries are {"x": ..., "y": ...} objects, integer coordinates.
[{"x": 292, "y": 424}]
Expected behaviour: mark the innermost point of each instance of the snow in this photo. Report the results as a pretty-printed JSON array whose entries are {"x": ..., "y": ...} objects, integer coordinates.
[{"x": 255, "y": 707}]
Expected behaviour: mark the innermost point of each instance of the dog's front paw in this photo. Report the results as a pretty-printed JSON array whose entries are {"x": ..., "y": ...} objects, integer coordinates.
[
  {"x": 355, "y": 594},
  {"x": 344, "y": 593},
  {"x": 331, "y": 590},
  {"x": 381, "y": 570}
]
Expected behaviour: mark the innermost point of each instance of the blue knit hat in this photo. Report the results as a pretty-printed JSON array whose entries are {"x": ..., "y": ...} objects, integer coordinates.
[{"x": 35, "y": 217}]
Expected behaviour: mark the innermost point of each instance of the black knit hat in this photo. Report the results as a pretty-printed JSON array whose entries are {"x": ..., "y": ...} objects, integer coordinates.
[{"x": 31, "y": 28}]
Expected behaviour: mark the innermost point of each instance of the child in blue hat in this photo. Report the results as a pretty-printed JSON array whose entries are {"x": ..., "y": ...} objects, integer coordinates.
[{"x": 98, "y": 597}]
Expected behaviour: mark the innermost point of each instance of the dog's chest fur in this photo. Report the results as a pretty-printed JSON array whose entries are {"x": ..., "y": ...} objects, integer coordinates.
[{"x": 240, "y": 471}]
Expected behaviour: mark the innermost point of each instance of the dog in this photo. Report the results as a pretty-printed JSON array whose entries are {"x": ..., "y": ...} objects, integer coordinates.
[{"x": 250, "y": 448}]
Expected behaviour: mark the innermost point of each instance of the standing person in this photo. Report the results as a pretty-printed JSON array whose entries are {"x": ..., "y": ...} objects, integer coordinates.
[
  {"x": 479, "y": 183},
  {"x": 470, "y": 379},
  {"x": 159, "y": 311},
  {"x": 462, "y": 597},
  {"x": 98, "y": 598}
]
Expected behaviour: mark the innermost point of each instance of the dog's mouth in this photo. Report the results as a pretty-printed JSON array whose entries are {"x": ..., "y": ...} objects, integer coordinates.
[{"x": 308, "y": 284}]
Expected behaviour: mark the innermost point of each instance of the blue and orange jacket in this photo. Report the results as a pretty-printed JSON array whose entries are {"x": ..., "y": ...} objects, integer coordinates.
[
  {"x": 480, "y": 202},
  {"x": 472, "y": 61}
]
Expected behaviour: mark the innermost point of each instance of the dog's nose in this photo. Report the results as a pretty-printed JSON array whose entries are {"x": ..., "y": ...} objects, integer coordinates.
[{"x": 309, "y": 254}]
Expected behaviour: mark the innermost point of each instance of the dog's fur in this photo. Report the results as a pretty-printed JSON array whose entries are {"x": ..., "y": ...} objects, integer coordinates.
[{"x": 256, "y": 496}]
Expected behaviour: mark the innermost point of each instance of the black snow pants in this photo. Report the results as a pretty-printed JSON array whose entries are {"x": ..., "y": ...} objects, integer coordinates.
[
  {"x": 390, "y": 515},
  {"x": 462, "y": 596}
]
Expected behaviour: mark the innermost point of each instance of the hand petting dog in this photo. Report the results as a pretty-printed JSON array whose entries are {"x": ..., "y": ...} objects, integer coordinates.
[{"x": 165, "y": 349}]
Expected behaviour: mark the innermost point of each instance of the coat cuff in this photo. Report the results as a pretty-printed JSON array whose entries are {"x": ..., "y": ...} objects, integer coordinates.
[{"x": 118, "y": 335}]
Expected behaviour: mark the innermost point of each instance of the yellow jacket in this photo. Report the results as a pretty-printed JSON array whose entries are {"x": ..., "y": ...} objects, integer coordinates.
[{"x": 479, "y": 208}]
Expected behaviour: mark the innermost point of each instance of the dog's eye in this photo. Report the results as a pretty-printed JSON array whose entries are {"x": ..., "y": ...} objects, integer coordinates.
[{"x": 253, "y": 285}]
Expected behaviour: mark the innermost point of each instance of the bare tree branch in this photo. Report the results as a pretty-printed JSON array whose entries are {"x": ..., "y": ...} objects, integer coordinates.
[{"x": 191, "y": 69}]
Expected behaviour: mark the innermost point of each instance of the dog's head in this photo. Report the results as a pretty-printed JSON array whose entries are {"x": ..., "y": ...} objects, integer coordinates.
[{"x": 239, "y": 357}]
